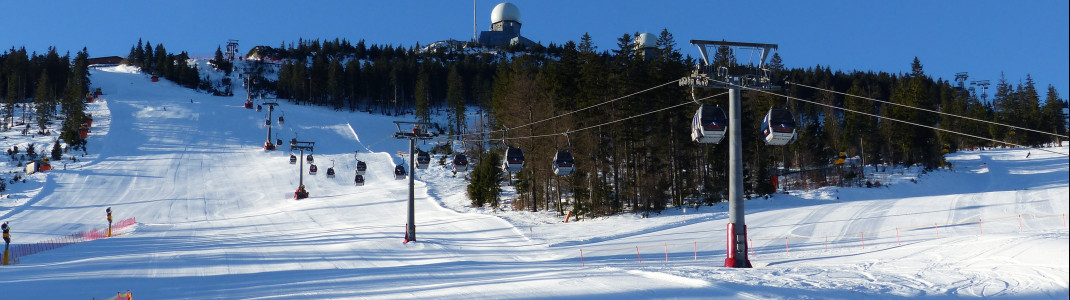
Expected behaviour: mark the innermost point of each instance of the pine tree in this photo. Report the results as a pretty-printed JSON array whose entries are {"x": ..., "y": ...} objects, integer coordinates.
[
  {"x": 1053, "y": 116},
  {"x": 42, "y": 100},
  {"x": 455, "y": 98},
  {"x": 484, "y": 187}
]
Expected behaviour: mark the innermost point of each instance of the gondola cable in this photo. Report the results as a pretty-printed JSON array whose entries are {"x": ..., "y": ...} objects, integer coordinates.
[
  {"x": 927, "y": 110},
  {"x": 887, "y": 118}
]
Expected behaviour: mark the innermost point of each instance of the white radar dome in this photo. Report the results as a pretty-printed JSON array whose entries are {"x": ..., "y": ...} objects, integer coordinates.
[
  {"x": 646, "y": 40},
  {"x": 505, "y": 11}
]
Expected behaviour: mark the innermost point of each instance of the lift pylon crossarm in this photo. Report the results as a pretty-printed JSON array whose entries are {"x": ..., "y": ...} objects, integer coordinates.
[{"x": 703, "y": 46}]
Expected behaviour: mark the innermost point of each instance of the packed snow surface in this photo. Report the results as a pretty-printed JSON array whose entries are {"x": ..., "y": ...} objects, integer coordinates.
[{"x": 216, "y": 220}]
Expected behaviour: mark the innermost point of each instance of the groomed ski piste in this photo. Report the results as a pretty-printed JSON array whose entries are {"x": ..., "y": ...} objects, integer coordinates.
[{"x": 216, "y": 219}]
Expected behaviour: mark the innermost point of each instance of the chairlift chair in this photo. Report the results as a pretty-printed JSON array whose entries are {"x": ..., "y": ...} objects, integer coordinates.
[
  {"x": 269, "y": 146},
  {"x": 778, "y": 127},
  {"x": 513, "y": 160},
  {"x": 460, "y": 163},
  {"x": 709, "y": 125},
  {"x": 564, "y": 163}
]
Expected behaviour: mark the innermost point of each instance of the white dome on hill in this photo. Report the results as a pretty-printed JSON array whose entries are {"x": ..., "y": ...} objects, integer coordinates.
[
  {"x": 505, "y": 11},
  {"x": 646, "y": 40}
]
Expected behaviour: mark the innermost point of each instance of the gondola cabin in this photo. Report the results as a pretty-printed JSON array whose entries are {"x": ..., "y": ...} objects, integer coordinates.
[
  {"x": 564, "y": 163},
  {"x": 358, "y": 180},
  {"x": 248, "y": 104},
  {"x": 309, "y": 158},
  {"x": 423, "y": 159},
  {"x": 330, "y": 172},
  {"x": 778, "y": 127},
  {"x": 361, "y": 167},
  {"x": 399, "y": 172},
  {"x": 513, "y": 160},
  {"x": 709, "y": 125},
  {"x": 269, "y": 146},
  {"x": 280, "y": 119},
  {"x": 267, "y": 123},
  {"x": 460, "y": 163},
  {"x": 293, "y": 159},
  {"x": 312, "y": 169}
]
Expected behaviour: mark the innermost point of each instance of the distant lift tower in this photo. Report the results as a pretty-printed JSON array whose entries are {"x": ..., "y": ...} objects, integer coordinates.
[
  {"x": 232, "y": 49},
  {"x": 301, "y": 192},
  {"x": 267, "y": 144},
  {"x": 419, "y": 131},
  {"x": 734, "y": 78},
  {"x": 960, "y": 80},
  {"x": 984, "y": 88}
]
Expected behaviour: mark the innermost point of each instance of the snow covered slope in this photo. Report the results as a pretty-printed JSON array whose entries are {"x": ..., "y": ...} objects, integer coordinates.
[{"x": 216, "y": 220}]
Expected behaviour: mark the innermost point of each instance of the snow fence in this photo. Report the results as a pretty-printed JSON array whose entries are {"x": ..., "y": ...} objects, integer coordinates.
[{"x": 18, "y": 251}]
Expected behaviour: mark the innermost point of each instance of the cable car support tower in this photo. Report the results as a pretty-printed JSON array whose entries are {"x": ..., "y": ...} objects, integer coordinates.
[
  {"x": 734, "y": 79},
  {"x": 301, "y": 192},
  {"x": 419, "y": 131}
]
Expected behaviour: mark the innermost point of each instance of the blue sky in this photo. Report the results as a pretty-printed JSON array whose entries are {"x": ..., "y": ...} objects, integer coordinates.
[{"x": 983, "y": 38}]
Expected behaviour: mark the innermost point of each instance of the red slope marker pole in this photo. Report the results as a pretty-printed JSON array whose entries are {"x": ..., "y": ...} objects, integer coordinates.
[
  {"x": 696, "y": 250},
  {"x": 897, "y": 242},
  {"x": 581, "y": 258},
  {"x": 638, "y": 255}
]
